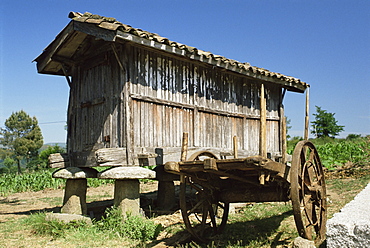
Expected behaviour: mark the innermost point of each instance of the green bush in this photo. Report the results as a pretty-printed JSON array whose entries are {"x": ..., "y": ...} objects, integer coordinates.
[
  {"x": 54, "y": 228},
  {"x": 134, "y": 227},
  {"x": 42, "y": 160}
]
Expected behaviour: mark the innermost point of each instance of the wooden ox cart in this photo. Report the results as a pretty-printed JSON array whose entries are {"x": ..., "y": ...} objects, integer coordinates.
[
  {"x": 134, "y": 93},
  {"x": 208, "y": 185}
]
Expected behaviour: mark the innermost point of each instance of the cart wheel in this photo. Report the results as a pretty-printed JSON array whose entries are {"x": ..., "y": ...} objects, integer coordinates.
[
  {"x": 308, "y": 192},
  {"x": 200, "y": 155},
  {"x": 201, "y": 210}
]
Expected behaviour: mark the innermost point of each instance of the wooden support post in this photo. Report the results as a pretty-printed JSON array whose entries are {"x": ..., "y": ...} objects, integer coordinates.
[
  {"x": 184, "y": 146},
  {"x": 307, "y": 122},
  {"x": 66, "y": 76},
  {"x": 262, "y": 178},
  {"x": 283, "y": 141},
  {"x": 262, "y": 147},
  {"x": 235, "y": 146},
  {"x": 127, "y": 104}
]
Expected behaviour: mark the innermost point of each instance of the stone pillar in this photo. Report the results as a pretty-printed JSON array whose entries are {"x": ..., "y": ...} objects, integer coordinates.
[
  {"x": 166, "y": 197},
  {"x": 127, "y": 186},
  {"x": 127, "y": 195},
  {"x": 74, "y": 201}
]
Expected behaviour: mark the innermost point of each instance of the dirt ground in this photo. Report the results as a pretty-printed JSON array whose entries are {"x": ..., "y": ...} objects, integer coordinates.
[{"x": 20, "y": 205}]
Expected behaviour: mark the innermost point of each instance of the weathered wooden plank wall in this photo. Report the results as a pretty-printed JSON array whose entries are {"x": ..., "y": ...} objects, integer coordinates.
[
  {"x": 94, "y": 114},
  {"x": 149, "y": 102},
  {"x": 175, "y": 96}
]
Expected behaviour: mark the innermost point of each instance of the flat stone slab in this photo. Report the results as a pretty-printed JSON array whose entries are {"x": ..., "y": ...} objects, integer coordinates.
[
  {"x": 127, "y": 173},
  {"x": 300, "y": 242},
  {"x": 66, "y": 218},
  {"x": 351, "y": 226},
  {"x": 75, "y": 173}
]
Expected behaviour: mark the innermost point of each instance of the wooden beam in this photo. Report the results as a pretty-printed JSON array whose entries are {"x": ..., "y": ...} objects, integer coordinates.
[
  {"x": 59, "y": 160},
  {"x": 307, "y": 121},
  {"x": 197, "y": 108},
  {"x": 111, "y": 156},
  {"x": 262, "y": 147},
  {"x": 283, "y": 141},
  {"x": 127, "y": 110},
  {"x": 114, "y": 49},
  {"x": 235, "y": 146},
  {"x": 66, "y": 76},
  {"x": 184, "y": 146}
]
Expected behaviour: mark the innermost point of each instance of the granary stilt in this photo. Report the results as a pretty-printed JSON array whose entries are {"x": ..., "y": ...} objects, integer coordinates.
[
  {"x": 127, "y": 186},
  {"x": 74, "y": 201},
  {"x": 127, "y": 195}
]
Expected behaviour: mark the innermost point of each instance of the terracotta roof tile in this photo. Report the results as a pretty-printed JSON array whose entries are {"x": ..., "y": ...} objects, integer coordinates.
[{"x": 112, "y": 24}]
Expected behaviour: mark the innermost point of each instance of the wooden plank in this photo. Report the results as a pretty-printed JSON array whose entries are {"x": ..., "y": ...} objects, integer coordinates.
[
  {"x": 128, "y": 117},
  {"x": 58, "y": 160},
  {"x": 235, "y": 146},
  {"x": 306, "y": 126},
  {"x": 262, "y": 150},
  {"x": 256, "y": 194},
  {"x": 283, "y": 141},
  {"x": 184, "y": 146},
  {"x": 111, "y": 157}
]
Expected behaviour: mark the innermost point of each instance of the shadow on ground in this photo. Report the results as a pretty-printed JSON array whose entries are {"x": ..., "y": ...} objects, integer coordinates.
[{"x": 244, "y": 233}]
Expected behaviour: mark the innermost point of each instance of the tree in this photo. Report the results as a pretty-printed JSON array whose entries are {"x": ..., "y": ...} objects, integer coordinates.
[
  {"x": 22, "y": 136},
  {"x": 325, "y": 124},
  {"x": 288, "y": 127}
]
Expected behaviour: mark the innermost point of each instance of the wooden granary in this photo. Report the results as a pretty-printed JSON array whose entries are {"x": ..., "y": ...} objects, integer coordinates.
[
  {"x": 135, "y": 93},
  {"x": 137, "y": 98}
]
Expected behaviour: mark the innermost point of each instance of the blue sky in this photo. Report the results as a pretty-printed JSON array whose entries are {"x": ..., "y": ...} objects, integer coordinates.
[{"x": 324, "y": 43}]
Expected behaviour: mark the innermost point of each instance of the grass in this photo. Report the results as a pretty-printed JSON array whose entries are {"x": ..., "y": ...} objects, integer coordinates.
[
  {"x": 342, "y": 191},
  {"x": 111, "y": 231},
  {"x": 260, "y": 225}
]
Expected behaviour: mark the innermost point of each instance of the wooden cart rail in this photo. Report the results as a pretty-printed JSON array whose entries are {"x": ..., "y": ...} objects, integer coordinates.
[{"x": 256, "y": 164}]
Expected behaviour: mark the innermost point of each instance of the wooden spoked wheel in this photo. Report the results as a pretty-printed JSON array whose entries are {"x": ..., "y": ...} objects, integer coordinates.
[
  {"x": 202, "y": 213},
  {"x": 308, "y": 192},
  {"x": 200, "y": 155}
]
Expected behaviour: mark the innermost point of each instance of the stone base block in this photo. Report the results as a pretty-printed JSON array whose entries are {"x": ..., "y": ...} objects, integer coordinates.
[
  {"x": 66, "y": 218},
  {"x": 166, "y": 195}
]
